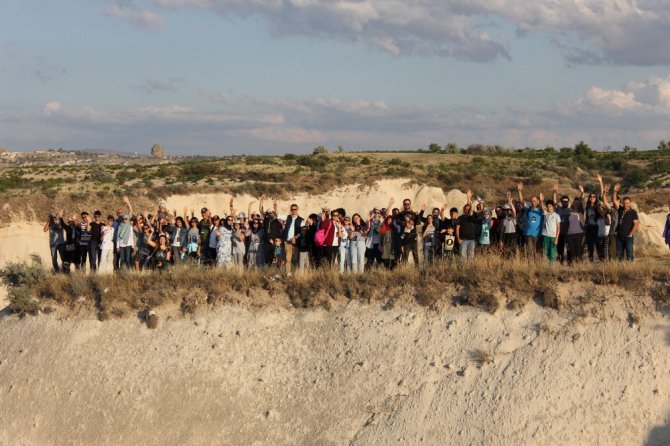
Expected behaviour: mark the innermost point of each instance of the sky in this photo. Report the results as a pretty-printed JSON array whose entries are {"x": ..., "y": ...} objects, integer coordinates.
[{"x": 224, "y": 77}]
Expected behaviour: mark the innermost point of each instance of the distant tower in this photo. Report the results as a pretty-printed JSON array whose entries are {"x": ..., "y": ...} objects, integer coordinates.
[{"x": 157, "y": 151}]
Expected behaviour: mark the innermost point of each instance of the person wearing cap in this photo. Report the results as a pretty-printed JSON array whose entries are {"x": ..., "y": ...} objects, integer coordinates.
[
  {"x": 273, "y": 230},
  {"x": 55, "y": 227},
  {"x": 290, "y": 236},
  {"x": 507, "y": 238},
  {"x": 373, "y": 254}
]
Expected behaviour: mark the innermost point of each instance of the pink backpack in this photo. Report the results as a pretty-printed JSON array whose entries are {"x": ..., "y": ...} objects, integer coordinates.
[{"x": 320, "y": 235}]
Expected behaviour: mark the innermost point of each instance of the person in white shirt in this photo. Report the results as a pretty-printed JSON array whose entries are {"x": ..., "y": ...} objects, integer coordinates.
[
  {"x": 107, "y": 247},
  {"x": 551, "y": 229}
]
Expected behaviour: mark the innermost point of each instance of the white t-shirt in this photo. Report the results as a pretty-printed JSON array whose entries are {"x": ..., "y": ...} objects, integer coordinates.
[
  {"x": 107, "y": 237},
  {"x": 552, "y": 224}
]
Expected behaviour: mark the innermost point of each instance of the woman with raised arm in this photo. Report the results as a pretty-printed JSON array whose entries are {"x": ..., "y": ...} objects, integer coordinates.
[
  {"x": 575, "y": 236},
  {"x": 162, "y": 255}
]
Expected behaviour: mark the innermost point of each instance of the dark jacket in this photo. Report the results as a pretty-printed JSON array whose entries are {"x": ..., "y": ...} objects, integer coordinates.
[{"x": 296, "y": 227}]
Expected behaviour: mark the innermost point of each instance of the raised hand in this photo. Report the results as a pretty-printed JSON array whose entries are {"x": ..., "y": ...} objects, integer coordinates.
[
  {"x": 541, "y": 197},
  {"x": 468, "y": 194},
  {"x": 423, "y": 207},
  {"x": 617, "y": 186},
  {"x": 606, "y": 187},
  {"x": 555, "y": 188},
  {"x": 599, "y": 178},
  {"x": 581, "y": 188},
  {"x": 509, "y": 195},
  {"x": 519, "y": 186}
]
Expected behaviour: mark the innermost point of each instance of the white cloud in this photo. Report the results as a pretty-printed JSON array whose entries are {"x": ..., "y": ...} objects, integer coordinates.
[
  {"x": 628, "y": 32},
  {"x": 635, "y": 114},
  {"x": 142, "y": 18},
  {"x": 287, "y": 135}
]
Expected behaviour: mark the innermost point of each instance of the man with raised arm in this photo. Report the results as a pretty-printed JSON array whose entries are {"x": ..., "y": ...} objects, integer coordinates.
[
  {"x": 627, "y": 226},
  {"x": 533, "y": 223},
  {"x": 550, "y": 229}
]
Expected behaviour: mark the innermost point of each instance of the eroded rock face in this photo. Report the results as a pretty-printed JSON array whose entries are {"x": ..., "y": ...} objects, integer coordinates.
[{"x": 157, "y": 151}]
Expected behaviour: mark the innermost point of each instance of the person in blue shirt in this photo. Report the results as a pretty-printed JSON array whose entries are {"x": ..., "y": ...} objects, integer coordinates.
[{"x": 533, "y": 222}]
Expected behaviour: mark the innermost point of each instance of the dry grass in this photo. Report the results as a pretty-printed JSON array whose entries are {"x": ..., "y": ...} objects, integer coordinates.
[{"x": 487, "y": 283}]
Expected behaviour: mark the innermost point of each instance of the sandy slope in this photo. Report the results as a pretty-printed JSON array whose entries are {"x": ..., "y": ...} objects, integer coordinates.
[{"x": 357, "y": 374}]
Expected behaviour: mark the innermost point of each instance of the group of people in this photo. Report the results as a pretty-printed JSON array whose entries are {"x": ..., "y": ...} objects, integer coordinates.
[{"x": 557, "y": 229}]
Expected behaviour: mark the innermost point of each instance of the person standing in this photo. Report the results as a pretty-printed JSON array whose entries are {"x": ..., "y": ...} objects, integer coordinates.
[
  {"x": 290, "y": 236},
  {"x": 106, "y": 265},
  {"x": 628, "y": 224},
  {"x": 550, "y": 229},
  {"x": 465, "y": 230},
  {"x": 55, "y": 227},
  {"x": 666, "y": 230},
  {"x": 564, "y": 211},
  {"x": 96, "y": 239},
  {"x": 533, "y": 222}
]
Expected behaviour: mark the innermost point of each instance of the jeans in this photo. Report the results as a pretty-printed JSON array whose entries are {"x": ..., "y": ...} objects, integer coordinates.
[
  {"x": 575, "y": 247},
  {"x": 428, "y": 254},
  {"x": 93, "y": 255},
  {"x": 345, "y": 258},
  {"x": 373, "y": 255},
  {"x": 125, "y": 255},
  {"x": 303, "y": 260},
  {"x": 83, "y": 252},
  {"x": 468, "y": 249},
  {"x": 57, "y": 250},
  {"x": 591, "y": 239},
  {"x": 357, "y": 255},
  {"x": 625, "y": 245},
  {"x": 410, "y": 248}
]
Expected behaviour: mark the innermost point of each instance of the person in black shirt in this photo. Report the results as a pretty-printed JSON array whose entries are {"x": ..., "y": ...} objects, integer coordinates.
[
  {"x": 627, "y": 226},
  {"x": 465, "y": 230},
  {"x": 408, "y": 238},
  {"x": 96, "y": 238}
]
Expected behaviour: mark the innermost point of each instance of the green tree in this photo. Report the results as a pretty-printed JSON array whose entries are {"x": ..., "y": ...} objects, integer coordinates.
[
  {"x": 451, "y": 147},
  {"x": 319, "y": 150},
  {"x": 434, "y": 147}
]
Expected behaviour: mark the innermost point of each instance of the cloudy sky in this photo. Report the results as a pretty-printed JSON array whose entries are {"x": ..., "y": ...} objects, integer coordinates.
[{"x": 277, "y": 76}]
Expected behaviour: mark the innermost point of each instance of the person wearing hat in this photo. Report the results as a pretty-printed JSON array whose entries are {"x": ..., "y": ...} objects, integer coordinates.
[
  {"x": 290, "y": 236},
  {"x": 507, "y": 227},
  {"x": 273, "y": 230}
]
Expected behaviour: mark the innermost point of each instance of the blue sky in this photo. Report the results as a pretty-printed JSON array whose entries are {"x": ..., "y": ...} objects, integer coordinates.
[{"x": 275, "y": 76}]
